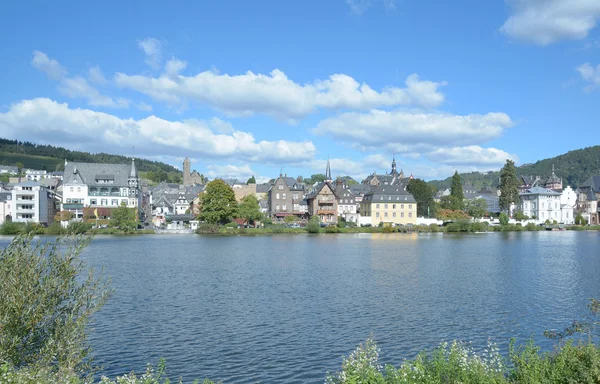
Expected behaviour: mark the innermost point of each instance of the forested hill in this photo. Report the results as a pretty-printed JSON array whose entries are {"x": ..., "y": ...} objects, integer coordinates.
[
  {"x": 574, "y": 167},
  {"x": 52, "y": 158}
]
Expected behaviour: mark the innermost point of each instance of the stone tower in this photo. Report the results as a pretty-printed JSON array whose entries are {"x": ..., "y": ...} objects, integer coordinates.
[{"x": 186, "y": 172}]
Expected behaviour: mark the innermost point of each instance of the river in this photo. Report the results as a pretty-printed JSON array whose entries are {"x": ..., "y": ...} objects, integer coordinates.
[{"x": 285, "y": 308}]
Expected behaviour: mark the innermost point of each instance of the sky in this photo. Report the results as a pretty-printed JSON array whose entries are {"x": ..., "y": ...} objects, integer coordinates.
[{"x": 261, "y": 87}]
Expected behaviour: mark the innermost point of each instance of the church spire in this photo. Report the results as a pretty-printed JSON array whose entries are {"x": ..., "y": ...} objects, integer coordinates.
[
  {"x": 328, "y": 172},
  {"x": 394, "y": 164},
  {"x": 133, "y": 170}
]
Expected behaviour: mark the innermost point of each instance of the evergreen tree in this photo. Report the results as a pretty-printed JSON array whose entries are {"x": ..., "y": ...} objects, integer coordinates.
[
  {"x": 217, "y": 203},
  {"x": 423, "y": 194},
  {"x": 251, "y": 180},
  {"x": 456, "y": 193},
  {"x": 509, "y": 186}
]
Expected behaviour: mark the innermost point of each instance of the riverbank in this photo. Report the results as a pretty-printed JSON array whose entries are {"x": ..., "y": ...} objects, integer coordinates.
[{"x": 75, "y": 228}]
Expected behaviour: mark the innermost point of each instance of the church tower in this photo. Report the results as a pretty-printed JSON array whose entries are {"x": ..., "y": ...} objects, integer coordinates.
[
  {"x": 328, "y": 173},
  {"x": 132, "y": 180},
  {"x": 186, "y": 172}
]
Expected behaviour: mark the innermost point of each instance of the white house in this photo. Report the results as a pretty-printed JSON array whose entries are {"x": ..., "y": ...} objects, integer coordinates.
[
  {"x": 5, "y": 200},
  {"x": 92, "y": 185},
  {"x": 347, "y": 207},
  {"x": 568, "y": 203},
  {"x": 31, "y": 202},
  {"x": 541, "y": 204},
  {"x": 36, "y": 175}
]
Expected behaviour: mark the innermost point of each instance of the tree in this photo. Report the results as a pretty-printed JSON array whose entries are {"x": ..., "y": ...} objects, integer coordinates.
[
  {"x": 46, "y": 302},
  {"x": 476, "y": 207},
  {"x": 503, "y": 218},
  {"x": 251, "y": 180},
  {"x": 249, "y": 209},
  {"x": 520, "y": 216},
  {"x": 20, "y": 166},
  {"x": 509, "y": 186},
  {"x": 579, "y": 220},
  {"x": 423, "y": 194},
  {"x": 456, "y": 193},
  {"x": 63, "y": 216},
  {"x": 314, "y": 224},
  {"x": 290, "y": 219},
  {"x": 123, "y": 218},
  {"x": 217, "y": 203}
]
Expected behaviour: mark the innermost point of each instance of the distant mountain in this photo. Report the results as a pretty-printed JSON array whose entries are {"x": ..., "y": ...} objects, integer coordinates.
[
  {"x": 53, "y": 158},
  {"x": 574, "y": 167}
]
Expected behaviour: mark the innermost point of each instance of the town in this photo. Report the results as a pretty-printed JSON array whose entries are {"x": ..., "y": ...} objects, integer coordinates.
[{"x": 91, "y": 191}]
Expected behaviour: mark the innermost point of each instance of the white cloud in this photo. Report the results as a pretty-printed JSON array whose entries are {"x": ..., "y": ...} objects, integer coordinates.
[
  {"x": 55, "y": 123},
  {"x": 229, "y": 171},
  {"x": 544, "y": 22},
  {"x": 413, "y": 131},
  {"x": 50, "y": 67},
  {"x": 590, "y": 75},
  {"x": 358, "y": 7},
  {"x": 76, "y": 86},
  {"x": 144, "y": 107},
  {"x": 472, "y": 155},
  {"x": 152, "y": 48},
  {"x": 275, "y": 94},
  {"x": 96, "y": 76}
]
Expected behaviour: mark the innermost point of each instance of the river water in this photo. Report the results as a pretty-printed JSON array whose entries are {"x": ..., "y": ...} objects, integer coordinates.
[{"x": 286, "y": 308}]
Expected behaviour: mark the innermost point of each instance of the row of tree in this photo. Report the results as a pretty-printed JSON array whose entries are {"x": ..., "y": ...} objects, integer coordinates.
[{"x": 219, "y": 206}]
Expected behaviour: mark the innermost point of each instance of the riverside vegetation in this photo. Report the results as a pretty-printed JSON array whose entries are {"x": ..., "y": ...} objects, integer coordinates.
[{"x": 47, "y": 298}]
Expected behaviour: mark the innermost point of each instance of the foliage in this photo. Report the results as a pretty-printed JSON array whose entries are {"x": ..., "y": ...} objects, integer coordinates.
[
  {"x": 10, "y": 228},
  {"x": 55, "y": 229},
  {"x": 314, "y": 225},
  {"x": 579, "y": 220},
  {"x": 332, "y": 229},
  {"x": 341, "y": 223},
  {"x": 476, "y": 207},
  {"x": 520, "y": 216},
  {"x": 449, "y": 214},
  {"x": 423, "y": 194},
  {"x": 503, "y": 218},
  {"x": 317, "y": 178},
  {"x": 78, "y": 228},
  {"x": 457, "y": 196},
  {"x": 509, "y": 186},
  {"x": 46, "y": 326},
  {"x": 466, "y": 226},
  {"x": 251, "y": 180},
  {"x": 217, "y": 203},
  {"x": 208, "y": 229},
  {"x": 249, "y": 209},
  {"x": 63, "y": 216},
  {"x": 388, "y": 229},
  {"x": 290, "y": 219},
  {"x": 123, "y": 218}
]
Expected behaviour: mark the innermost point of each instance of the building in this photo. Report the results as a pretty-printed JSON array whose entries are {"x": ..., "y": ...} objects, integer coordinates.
[
  {"x": 541, "y": 204},
  {"x": 31, "y": 202},
  {"x": 240, "y": 189},
  {"x": 568, "y": 204},
  {"x": 5, "y": 202},
  {"x": 191, "y": 178},
  {"x": 36, "y": 174},
  {"x": 587, "y": 200},
  {"x": 8, "y": 170},
  {"x": 389, "y": 203},
  {"x": 285, "y": 197},
  {"x": 95, "y": 185},
  {"x": 346, "y": 202}
]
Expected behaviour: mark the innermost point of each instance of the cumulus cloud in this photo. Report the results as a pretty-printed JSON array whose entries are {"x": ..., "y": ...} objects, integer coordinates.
[
  {"x": 590, "y": 74},
  {"x": 229, "y": 171},
  {"x": 76, "y": 86},
  {"x": 152, "y": 48},
  {"x": 471, "y": 155},
  {"x": 412, "y": 131},
  {"x": 544, "y": 22},
  {"x": 275, "y": 94},
  {"x": 96, "y": 76},
  {"x": 55, "y": 123}
]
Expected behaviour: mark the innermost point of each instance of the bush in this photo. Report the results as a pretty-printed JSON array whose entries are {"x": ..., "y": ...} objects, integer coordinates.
[
  {"x": 208, "y": 229},
  {"x": 532, "y": 227},
  {"x": 231, "y": 225},
  {"x": 332, "y": 229},
  {"x": 434, "y": 228},
  {"x": 10, "y": 228},
  {"x": 579, "y": 220},
  {"x": 55, "y": 229},
  {"x": 45, "y": 305},
  {"x": 314, "y": 225},
  {"x": 388, "y": 229},
  {"x": 503, "y": 218},
  {"x": 78, "y": 228}
]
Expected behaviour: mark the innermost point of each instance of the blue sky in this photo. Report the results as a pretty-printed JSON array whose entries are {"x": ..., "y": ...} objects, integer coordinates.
[{"x": 249, "y": 88}]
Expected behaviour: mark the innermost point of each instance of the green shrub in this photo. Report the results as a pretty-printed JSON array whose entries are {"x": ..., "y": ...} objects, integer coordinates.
[
  {"x": 208, "y": 229},
  {"x": 45, "y": 305},
  {"x": 314, "y": 225},
  {"x": 503, "y": 218},
  {"x": 579, "y": 220},
  {"x": 231, "y": 225},
  {"x": 332, "y": 229},
  {"x": 10, "y": 228},
  {"x": 78, "y": 228},
  {"x": 388, "y": 229},
  {"x": 532, "y": 227},
  {"x": 34, "y": 228},
  {"x": 434, "y": 228},
  {"x": 55, "y": 229}
]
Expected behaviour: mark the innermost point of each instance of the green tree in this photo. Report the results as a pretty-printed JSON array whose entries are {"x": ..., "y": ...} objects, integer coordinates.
[
  {"x": 290, "y": 219},
  {"x": 509, "y": 186},
  {"x": 520, "y": 216},
  {"x": 314, "y": 224},
  {"x": 423, "y": 194},
  {"x": 217, "y": 203},
  {"x": 249, "y": 209},
  {"x": 456, "y": 193},
  {"x": 123, "y": 218},
  {"x": 579, "y": 220},
  {"x": 503, "y": 218},
  {"x": 251, "y": 180},
  {"x": 46, "y": 301},
  {"x": 476, "y": 208},
  {"x": 20, "y": 166}
]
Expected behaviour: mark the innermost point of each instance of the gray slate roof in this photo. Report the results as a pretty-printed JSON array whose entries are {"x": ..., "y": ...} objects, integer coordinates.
[
  {"x": 540, "y": 191},
  {"x": 263, "y": 188},
  {"x": 5, "y": 196},
  {"x": 88, "y": 173},
  {"x": 593, "y": 183},
  {"x": 391, "y": 192}
]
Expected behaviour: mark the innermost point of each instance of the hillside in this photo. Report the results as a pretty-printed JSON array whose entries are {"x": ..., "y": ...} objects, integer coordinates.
[
  {"x": 574, "y": 167},
  {"x": 52, "y": 158}
]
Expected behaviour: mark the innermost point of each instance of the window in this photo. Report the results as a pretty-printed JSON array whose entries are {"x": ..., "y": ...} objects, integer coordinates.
[
  {"x": 114, "y": 202},
  {"x": 393, "y": 206},
  {"x": 93, "y": 201},
  {"x": 385, "y": 206},
  {"x": 377, "y": 206},
  {"x": 542, "y": 205},
  {"x": 295, "y": 196},
  {"x": 70, "y": 189},
  {"x": 280, "y": 186},
  {"x": 409, "y": 214},
  {"x": 409, "y": 206},
  {"x": 394, "y": 214},
  {"x": 401, "y": 214},
  {"x": 104, "y": 202},
  {"x": 377, "y": 214},
  {"x": 284, "y": 196},
  {"x": 277, "y": 196},
  {"x": 284, "y": 207},
  {"x": 78, "y": 189},
  {"x": 277, "y": 207},
  {"x": 385, "y": 214},
  {"x": 401, "y": 206}
]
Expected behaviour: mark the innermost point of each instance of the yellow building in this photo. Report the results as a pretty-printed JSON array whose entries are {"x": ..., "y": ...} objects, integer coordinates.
[{"x": 389, "y": 203}]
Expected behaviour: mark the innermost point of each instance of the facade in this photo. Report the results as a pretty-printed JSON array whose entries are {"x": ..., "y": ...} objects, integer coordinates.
[
  {"x": 191, "y": 178},
  {"x": 587, "y": 200},
  {"x": 31, "y": 202},
  {"x": 322, "y": 201},
  {"x": 541, "y": 204},
  {"x": 285, "y": 197},
  {"x": 36, "y": 174},
  {"x": 93, "y": 185},
  {"x": 8, "y": 170},
  {"x": 390, "y": 204},
  {"x": 347, "y": 207},
  {"x": 568, "y": 203},
  {"x": 5, "y": 202}
]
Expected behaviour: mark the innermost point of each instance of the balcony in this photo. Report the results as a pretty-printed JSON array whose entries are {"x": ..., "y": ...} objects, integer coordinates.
[
  {"x": 326, "y": 212},
  {"x": 113, "y": 194},
  {"x": 72, "y": 206}
]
